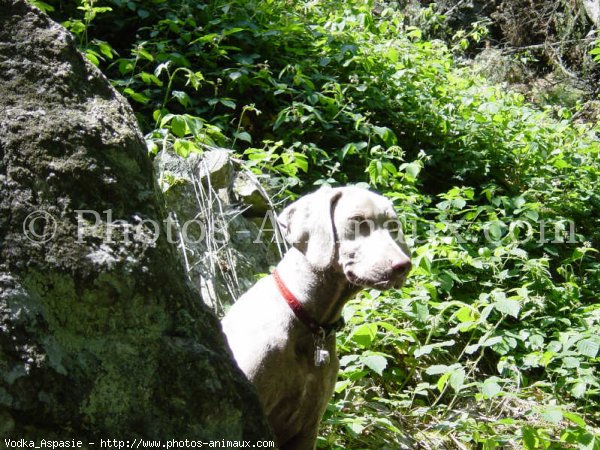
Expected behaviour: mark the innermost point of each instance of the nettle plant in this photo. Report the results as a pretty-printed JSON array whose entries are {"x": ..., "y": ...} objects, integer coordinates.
[
  {"x": 494, "y": 341},
  {"x": 484, "y": 345}
]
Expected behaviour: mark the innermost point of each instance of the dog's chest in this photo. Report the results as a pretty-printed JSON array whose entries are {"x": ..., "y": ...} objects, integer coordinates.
[
  {"x": 302, "y": 389},
  {"x": 303, "y": 394}
]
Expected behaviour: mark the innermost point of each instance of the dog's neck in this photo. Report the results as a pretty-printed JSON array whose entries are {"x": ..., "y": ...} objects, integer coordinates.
[{"x": 323, "y": 294}]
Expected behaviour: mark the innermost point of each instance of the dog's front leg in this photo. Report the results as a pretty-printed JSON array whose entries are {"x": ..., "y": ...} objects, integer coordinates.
[{"x": 305, "y": 440}]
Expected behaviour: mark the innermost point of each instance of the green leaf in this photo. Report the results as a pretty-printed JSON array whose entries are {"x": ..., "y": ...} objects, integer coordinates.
[
  {"x": 92, "y": 56},
  {"x": 530, "y": 439},
  {"x": 374, "y": 169},
  {"x": 301, "y": 161},
  {"x": 183, "y": 148},
  {"x": 347, "y": 360},
  {"x": 491, "y": 341},
  {"x": 206, "y": 38},
  {"x": 578, "y": 389},
  {"x": 457, "y": 379},
  {"x": 231, "y": 31},
  {"x": 446, "y": 282},
  {"x": 348, "y": 149},
  {"x": 101, "y": 9},
  {"x": 227, "y": 102},
  {"x": 575, "y": 418},
  {"x": 496, "y": 230},
  {"x": 490, "y": 388},
  {"x": 437, "y": 369},
  {"x": 42, "y": 5},
  {"x": 587, "y": 441},
  {"x": 195, "y": 125},
  {"x": 441, "y": 383},
  {"x": 426, "y": 349},
  {"x": 470, "y": 349},
  {"x": 138, "y": 97},
  {"x": 552, "y": 414},
  {"x": 195, "y": 79},
  {"x": 423, "y": 350},
  {"x": 386, "y": 135},
  {"x": 414, "y": 32},
  {"x": 412, "y": 169},
  {"x": 178, "y": 127},
  {"x": 459, "y": 203},
  {"x": 258, "y": 156},
  {"x": 356, "y": 426},
  {"x": 547, "y": 358},
  {"x": 282, "y": 118},
  {"x": 105, "y": 49},
  {"x": 465, "y": 314},
  {"x": 365, "y": 334},
  {"x": 125, "y": 66},
  {"x": 342, "y": 385},
  {"x": 182, "y": 98},
  {"x": 142, "y": 13},
  {"x": 390, "y": 168},
  {"x": 570, "y": 362},
  {"x": 75, "y": 26},
  {"x": 152, "y": 147},
  {"x": 140, "y": 52},
  {"x": 243, "y": 136},
  {"x": 508, "y": 306},
  {"x": 588, "y": 347},
  {"x": 392, "y": 54},
  {"x": 421, "y": 311},
  {"x": 376, "y": 363},
  {"x": 149, "y": 78},
  {"x": 235, "y": 74}
]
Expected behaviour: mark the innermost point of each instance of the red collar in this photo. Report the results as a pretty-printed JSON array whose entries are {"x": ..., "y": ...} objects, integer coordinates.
[{"x": 302, "y": 314}]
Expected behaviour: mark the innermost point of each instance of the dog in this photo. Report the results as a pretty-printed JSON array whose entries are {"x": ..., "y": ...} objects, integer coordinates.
[{"x": 282, "y": 331}]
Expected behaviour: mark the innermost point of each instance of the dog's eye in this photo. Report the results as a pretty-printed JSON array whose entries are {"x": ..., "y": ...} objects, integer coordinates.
[
  {"x": 366, "y": 227},
  {"x": 361, "y": 226},
  {"x": 393, "y": 226}
]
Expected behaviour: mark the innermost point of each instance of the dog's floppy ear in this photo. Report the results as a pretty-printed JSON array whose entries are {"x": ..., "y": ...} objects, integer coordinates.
[{"x": 308, "y": 225}]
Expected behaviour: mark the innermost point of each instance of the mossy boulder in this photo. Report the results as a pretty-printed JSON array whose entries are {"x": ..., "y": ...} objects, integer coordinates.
[{"x": 101, "y": 336}]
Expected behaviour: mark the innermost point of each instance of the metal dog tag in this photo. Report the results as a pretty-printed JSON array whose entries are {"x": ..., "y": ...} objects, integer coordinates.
[{"x": 321, "y": 357}]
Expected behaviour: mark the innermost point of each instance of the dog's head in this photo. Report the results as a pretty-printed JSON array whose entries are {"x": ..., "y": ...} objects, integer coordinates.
[{"x": 351, "y": 230}]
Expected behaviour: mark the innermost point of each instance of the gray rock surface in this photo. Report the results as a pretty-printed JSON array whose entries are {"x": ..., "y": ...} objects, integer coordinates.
[
  {"x": 99, "y": 338},
  {"x": 216, "y": 169},
  {"x": 250, "y": 194},
  {"x": 226, "y": 239},
  {"x": 592, "y": 8}
]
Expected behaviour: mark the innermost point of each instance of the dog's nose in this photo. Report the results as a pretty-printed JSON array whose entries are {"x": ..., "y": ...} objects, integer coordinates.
[{"x": 403, "y": 266}]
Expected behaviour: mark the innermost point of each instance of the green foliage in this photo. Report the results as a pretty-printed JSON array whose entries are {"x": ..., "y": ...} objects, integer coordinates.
[
  {"x": 595, "y": 52},
  {"x": 95, "y": 50},
  {"x": 494, "y": 342}
]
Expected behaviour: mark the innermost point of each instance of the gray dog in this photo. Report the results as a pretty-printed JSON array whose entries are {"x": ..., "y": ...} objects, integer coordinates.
[{"x": 282, "y": 331}]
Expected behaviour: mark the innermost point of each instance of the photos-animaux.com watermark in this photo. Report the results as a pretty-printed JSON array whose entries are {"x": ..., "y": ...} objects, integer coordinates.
[{"x": 41, "y": 227}]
